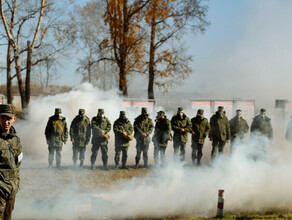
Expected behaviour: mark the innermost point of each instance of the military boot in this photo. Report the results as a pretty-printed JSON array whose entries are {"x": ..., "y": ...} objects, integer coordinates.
[
  {"x": 124, "y": 166},
  {"x": 105, "y": 166},
  {"x": 198, "y": 162},
  {"x": 92, "y": 166},
  {"x": 137, "y": 164},
  {"x": 81, "y": 165}
]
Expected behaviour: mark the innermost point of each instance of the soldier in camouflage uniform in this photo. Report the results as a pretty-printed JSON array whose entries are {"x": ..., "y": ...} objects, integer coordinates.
[
  {"x": 10, "y": 160},
  {"x": 161, "y": 137},
  {"x": 200, "y": 130},
  {"x": 100, "y": 126},
  {"x": 220, "y": 131},
  {"x": 56, "y": 134},
  {"x": 181, "y": 125},
  {"x": 238, "y": 127},
  {"x": 261, "y": 124},
  {"x": 288, "y": 133},
  {"x": 143, "y": 127},
  {"x": 80, "y": 133},
  {"x": 123, "y": 134}
]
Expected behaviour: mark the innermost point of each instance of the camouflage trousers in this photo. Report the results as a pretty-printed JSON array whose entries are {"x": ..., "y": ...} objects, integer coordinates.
[
  {"x": 78, "y": 150},
  {"x": 197, "y": 152},
  {"x": 103, "y": 149},
  {"x": 6, "y": 208},
  {"x": 158, "y": 149},
  {"x": 141, "y": 147},
  {"x": 52, "y": 150},
  {"x": 118, "y": 151},
  {"x": 179, "y": 146},
  {"x": 8, "y": 188},
  {"x": 217, "y": 146}
]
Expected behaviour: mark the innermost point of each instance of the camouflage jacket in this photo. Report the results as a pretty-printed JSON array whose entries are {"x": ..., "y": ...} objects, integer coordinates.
[
  {"x": 80, "y": 131},
  {"x": 219, "y": 128},
  {"x": 119, "y": 127},
  {"x": 10, "y": 161},
  {"x": 201, "y": 127},
  {"x": 238, "y": 127},
  {"x": 143, "y": 125},
  {"x": 262, "y": 125},
  {"x": 176, "y": 124},
  {"x": 56, "y": 131},
  {"x": 162, "y": 132},
  {"x": 99, "y": 124}
]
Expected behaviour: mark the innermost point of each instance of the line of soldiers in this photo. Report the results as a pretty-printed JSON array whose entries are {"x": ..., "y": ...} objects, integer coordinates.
[{"x": 219, "y": 130}]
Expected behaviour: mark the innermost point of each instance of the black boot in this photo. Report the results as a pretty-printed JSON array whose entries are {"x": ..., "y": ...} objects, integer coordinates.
[
  {"x": 105, "y": 166},
  {"x": 124, "y": 166},
  {"x": 81, "y": 165}
]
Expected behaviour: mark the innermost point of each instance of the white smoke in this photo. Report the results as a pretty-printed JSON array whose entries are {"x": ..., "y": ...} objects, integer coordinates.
[{"x": 253, "y": 179}]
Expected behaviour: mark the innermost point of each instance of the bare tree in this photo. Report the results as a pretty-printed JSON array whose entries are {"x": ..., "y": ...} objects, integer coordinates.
[
  {"x": 26, "y": 31},
  {"x": 89, "y": 31}
]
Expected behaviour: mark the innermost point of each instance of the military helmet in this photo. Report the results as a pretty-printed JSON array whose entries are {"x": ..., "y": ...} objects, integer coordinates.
[
  {"x": 238, "y": 110},
  {"x": 122, "y": 113},
  {"x": 58, "y": 110},
  {"x": 263, "y": 110},
  {"x": 8, "y": 110}
]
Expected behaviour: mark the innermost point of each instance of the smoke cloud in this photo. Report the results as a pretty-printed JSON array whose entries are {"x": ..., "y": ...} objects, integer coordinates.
[{"x": 255, "y": 177}]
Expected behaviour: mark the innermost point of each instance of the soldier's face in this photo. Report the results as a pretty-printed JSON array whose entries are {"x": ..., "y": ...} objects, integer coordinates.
[
  {"x": 239, "y": 114},
  {"x": 6, "y": 122}
]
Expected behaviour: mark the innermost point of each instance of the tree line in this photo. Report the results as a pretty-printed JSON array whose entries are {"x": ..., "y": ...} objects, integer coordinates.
[{"x": 118, "y": 38}]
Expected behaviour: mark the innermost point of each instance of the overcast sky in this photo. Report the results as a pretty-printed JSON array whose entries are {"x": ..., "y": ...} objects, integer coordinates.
[{"x": 245, "y": 52}]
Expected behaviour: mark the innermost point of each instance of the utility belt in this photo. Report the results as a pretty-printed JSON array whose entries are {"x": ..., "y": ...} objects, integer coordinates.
[{"x": 9, "y": 174}]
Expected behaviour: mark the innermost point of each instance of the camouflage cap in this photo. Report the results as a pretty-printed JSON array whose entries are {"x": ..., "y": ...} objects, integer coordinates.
[
  {"x": 238, "y": 110},
  {"x": 220, "y": 108},
  {"x": 144, "y": 110},
  {"x": 161, "y": 113},
  {"x": 122, "y": 113},
  {"x": 180, "y": 109},
  {"x": 263, "y": 110},
  {"x": 81, "y": 110},
  {"x": 101, "y": 111},
  {"x": 58, "y": 110},
  {"x": 200, "y": 111},
  {"x": 7, "y": 109}
]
